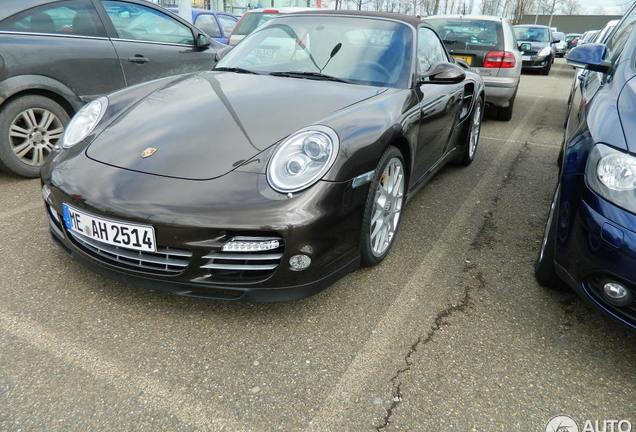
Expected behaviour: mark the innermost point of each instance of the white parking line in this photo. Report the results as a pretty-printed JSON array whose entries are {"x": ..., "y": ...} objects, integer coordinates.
[
  {"x": 158, "y": 394},
  {"x": 530, "y": 143},
  {"x": 415, "y": 295}
]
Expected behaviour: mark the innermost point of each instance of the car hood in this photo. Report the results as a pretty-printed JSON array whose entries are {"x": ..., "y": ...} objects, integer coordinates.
[{"x": 204, "y": 125}]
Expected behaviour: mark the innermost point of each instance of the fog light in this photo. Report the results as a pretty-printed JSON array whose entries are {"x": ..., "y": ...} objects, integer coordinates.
[
  {"x": 46, "y": 193},
  {"x": 299, "y": 262},
  {"x": 617, "y": 294}
]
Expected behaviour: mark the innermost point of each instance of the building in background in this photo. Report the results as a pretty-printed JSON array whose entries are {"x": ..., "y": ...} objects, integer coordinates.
[{"x": 571, "y": 23}]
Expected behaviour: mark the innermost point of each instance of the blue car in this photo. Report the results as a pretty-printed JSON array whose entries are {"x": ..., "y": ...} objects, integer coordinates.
[
  {"x": 589, "y": 242},
  {"x": 217, "y": 25}
]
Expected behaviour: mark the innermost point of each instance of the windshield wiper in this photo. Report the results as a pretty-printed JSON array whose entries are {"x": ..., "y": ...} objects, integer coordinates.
[
  {"x": 235, "y": 69},
  {"x": 310, "y": 75}
]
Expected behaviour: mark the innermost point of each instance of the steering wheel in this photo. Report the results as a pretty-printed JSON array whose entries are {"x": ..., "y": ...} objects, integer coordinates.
[{"x": 376, "y": 67}]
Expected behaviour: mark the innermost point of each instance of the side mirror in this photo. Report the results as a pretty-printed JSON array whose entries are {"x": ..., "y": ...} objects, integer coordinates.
[
  {"x": 222, "y": 52},
  {"x": 556, "y": 40},
  {"x": 443, "y": 73},
  {"x": 589, "y": 56},
  {"x": 525, "y": 47},
  {"x": 202, "y": 41}
]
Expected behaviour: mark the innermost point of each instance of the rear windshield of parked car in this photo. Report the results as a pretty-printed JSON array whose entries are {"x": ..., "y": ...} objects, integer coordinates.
[
  {"x": 467, "y": 34},
  {"x": 250, "y": 21}
]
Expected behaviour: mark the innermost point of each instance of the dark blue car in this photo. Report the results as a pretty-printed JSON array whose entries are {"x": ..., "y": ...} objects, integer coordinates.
[
  {"x": 590, "y": 237},
  {"x": 217, "y": 25}
]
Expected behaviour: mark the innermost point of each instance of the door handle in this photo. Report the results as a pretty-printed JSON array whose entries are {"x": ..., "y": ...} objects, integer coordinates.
[{"x": 139, "y": 59}]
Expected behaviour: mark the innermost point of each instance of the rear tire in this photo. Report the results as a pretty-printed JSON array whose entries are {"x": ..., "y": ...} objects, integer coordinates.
[
  {"x": 544, "y": 271},
  {"x": 472, "y": 135},
  {"x": 505, "y": 114},
  {"x": 30, "y": 126}
]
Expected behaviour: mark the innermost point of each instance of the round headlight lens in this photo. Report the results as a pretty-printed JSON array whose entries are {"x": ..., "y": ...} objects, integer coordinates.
[
  {"x": 84, "y": 122},
  {"x": 302, "y": 159}
]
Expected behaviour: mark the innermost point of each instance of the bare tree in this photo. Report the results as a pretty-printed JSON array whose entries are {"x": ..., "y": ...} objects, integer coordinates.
[
  {"x": 571, "y": 7},
  {"x": 599, "y": 11}
]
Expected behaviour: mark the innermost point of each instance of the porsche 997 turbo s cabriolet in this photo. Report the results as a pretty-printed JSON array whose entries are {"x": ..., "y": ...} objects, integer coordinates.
[{"x": 275, "y": 174}]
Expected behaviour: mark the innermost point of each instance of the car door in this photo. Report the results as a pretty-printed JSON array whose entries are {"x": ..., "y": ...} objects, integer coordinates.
[
  {"x": 61, "y": 42},
  {"x": 153, "y": 44},
  {"x": 439, "y": 104}
]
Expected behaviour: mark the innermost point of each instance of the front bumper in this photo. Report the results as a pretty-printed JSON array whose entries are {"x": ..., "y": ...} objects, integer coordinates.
[
  {"x": 193, "y": 219},
  {"x": 595, "y": 244},
  {"x": 536, "y": 63}
]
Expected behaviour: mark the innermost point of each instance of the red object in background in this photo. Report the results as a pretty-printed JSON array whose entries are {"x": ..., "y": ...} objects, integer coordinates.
[{"x": 318, "y": 4}]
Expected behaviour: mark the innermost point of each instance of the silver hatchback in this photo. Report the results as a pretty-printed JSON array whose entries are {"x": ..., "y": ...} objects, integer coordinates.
[{"x": 488, "y": 45}]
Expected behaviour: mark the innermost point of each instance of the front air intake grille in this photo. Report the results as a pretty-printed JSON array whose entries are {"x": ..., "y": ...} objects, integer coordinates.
[
  {"x": 166, "y": 261},
  {"x": 244, "y": 265}
]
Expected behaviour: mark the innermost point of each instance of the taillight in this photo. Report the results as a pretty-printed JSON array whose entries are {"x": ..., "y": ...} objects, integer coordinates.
[{"x": 500, "y": 59}]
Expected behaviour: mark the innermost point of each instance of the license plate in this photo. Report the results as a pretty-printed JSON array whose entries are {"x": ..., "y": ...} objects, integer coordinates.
[
  {"x": 116, "y": 233},
  {"x": 526, "y": 58},
  {"x": 266, "y": 52},
  {"x": 467, "y": 59}
]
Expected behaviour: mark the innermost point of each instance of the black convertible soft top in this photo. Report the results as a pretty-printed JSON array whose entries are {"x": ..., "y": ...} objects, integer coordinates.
[{"x": 407, "y": 19}]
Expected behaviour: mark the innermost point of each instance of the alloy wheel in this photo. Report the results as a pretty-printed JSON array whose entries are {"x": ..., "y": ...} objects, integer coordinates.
[
  {"x": 387, "y": 207},
  {"x": 33, "y": 134}
]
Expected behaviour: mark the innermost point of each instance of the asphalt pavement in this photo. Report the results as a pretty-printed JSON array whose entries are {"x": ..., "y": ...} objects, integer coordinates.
[{"x": 450, "y": 332}]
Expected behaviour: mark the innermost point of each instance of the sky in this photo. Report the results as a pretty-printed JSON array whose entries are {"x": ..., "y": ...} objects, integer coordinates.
[{"x": 611, "y": 7}]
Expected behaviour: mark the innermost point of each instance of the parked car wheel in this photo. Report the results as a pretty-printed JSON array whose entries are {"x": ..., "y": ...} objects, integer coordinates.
[
  {"x": 472, "y": 137},
  {"x": 30, "y": 126},
  {"x": 546, "y": 70},
  {"x": 383, "y": 208},
  {"x": 544, "y": 266},
  {"x": 505, "y": 114}
]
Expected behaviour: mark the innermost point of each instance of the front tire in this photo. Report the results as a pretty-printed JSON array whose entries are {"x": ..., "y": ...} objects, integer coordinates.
[
  {"x": 383, "y": 208},
  {"x": 30, "y": 126}
]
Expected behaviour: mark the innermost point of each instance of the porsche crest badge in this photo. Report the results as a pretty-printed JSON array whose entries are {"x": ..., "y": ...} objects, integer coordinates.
[{"x": 148, "y": 152}]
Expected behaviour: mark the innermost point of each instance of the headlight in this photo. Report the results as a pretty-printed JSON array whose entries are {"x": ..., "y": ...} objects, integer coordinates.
[
  {"x": 84, "y": 122},
  {"x": 302, "y": 159},
  {"x": 545, "y": 52},
  {"x": 612, "y": 174}
]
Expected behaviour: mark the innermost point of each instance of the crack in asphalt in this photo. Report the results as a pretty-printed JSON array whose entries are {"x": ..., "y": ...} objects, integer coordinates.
[
  {"x": 440, "y": 321},
  {"x": 484, "y": 237}
]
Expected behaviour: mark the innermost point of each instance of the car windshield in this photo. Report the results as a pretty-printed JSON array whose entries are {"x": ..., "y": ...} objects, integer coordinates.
[
  {"x": 251, "y": 20},
  {"x": 532, "y": 34},
  {"x": 359, "y": 50},
  {"x": 463, "y": 33}
]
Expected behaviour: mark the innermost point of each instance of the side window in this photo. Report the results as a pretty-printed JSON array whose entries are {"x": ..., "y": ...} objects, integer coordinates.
[
  {"x": 429, "y": 49},
  {"x": 620, "y": 36},
  {"x": 74, "y": 17},
  {"x": 208, "y": 24},
  {"x": 136, "y": 22},
  {"x": 227, "y": 22}
]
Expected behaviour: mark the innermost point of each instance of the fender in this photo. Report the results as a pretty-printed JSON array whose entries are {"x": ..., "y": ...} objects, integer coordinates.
[{"x": 21, "y": 83}]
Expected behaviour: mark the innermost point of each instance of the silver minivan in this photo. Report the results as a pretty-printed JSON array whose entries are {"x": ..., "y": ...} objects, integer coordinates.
[{"x": 488, "y": 45}]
